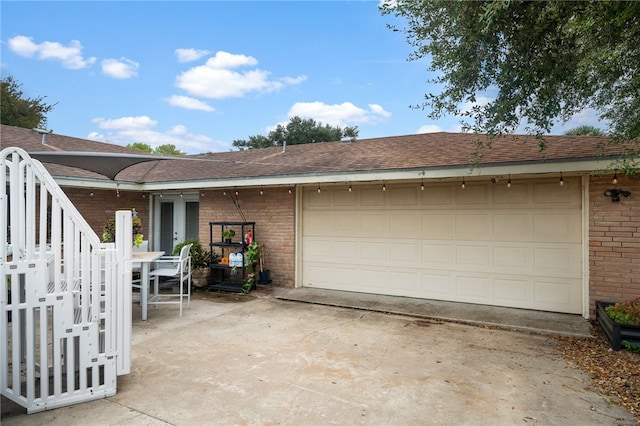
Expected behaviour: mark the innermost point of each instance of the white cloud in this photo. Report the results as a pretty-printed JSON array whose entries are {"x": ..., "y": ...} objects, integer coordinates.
[
  {"x": 128, "y": 130},
  {"x": 430, "y": 128},
  {"x": 586, "y": 117},
  {"x": 140, "y": 122},
  {"x": 480, "y": 102},
  {"x": 217, "y": 78},
  {"x": 189, "y": 55},
  {"x": 344, "y": 114},
  {"x": 70, "y": 56},
  {"x": 189, "y": 103},
  {"x": 122, "y": 68}
]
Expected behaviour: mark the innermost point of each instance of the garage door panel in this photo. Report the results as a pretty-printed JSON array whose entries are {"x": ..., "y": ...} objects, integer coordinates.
[
  {"x": 474, "y": 288},
  {"x": 405, "y": 281},
  {"x": 404, "y": 254},
  {"x": 436, "y": 226},
  {"x": 438, "y": 255},
  {"x": 557, "y": 261},
  {"x": 317, "y": 248},
  {"x": 374, "y": 251},
  {"x": 549, "y": 192},
  {"x": 344, "y": 224},
  {"x": 372, "y": 197},
  {"x": 437, "y": 196},
  {"x": 557, "y": 227},
  {"x": 316, "y": 223},
  {"x": 375, "y": 278},
  {"x": 472, "y": 194},
  {"x": 516, "y": 196},
  {"x": 375, "y": 225},
  {"x": 348, "y": 251},
  {"x": 474, "y": 256},
  {"x": 513, "y": 291},
  {"x": 405, "y": 197},
  {"x": 517, "y": 249},
  {"x": 473, "y": 226},
  {"x": 437, "y": 286},
  {"x": 512, "y": 259},
  {"x": 513, "y": 226}
]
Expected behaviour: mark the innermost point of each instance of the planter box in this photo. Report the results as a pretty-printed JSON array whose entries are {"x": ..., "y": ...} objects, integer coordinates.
[{"x": 615, "y": 332}]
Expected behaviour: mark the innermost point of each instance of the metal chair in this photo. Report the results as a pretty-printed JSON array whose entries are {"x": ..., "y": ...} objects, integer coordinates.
[{"x": 177, "y": 267}]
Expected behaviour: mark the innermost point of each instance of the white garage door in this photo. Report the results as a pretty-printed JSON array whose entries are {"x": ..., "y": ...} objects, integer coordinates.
[{"x": 488, "y": 244}]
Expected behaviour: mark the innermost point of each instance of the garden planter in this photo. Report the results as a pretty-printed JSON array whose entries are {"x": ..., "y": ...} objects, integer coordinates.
[
  {"x": 265, "y": 277},
  {"x": 615, "y": 332},
  {"x": 200, "y": 277}
]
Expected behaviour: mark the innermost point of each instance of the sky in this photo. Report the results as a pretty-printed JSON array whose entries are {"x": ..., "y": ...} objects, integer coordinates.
[{"x": 201, "y": 74}]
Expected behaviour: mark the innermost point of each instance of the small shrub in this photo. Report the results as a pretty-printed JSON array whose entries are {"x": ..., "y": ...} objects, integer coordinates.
[{"x": 627, "y": 312}]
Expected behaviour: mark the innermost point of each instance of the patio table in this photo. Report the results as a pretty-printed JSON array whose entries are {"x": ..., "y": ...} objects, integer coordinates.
[{"x": 145, "y": 258}]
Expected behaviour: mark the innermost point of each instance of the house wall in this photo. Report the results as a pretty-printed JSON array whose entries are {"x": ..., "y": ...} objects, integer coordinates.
[
  {"x": 100, "y": 207},
  {"x": 274, "y": 215},
  {"x": 614, "y": 241}
]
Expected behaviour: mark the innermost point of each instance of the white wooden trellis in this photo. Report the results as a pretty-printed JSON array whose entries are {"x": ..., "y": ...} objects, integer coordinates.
[{"x": 65, "y": 297}]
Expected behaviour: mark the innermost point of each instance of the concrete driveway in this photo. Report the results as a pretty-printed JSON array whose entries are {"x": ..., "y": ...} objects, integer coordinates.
[{"x": 258, "y": 360}]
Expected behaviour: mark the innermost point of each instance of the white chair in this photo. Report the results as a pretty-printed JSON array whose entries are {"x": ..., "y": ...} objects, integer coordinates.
[{"x": 177, "y": 267}]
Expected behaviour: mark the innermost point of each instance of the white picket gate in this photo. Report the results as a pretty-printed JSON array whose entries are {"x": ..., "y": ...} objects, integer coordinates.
[{"x": 65, "y": 297}]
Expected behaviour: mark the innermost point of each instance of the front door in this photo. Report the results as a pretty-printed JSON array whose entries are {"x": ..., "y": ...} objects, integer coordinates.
[{"x": 176, "y": 218}]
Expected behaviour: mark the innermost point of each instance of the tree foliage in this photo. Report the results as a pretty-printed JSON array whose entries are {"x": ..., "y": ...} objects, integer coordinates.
[
  {"x": 17, "y": 110},
  {"x": 142, "y": 147},
  {"x": 546, "y": 61},
  {"x": 585, "y": 131},
  {"x": 297, "y": 131},
  {"x": 168, "y": 150}
]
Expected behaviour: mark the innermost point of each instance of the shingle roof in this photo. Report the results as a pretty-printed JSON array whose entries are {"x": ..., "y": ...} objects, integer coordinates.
[{"x": 418, "y": 151}]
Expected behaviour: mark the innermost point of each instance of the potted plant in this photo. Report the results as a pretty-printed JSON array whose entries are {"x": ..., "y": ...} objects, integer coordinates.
[
  {"x": 620, "y": 323},
  {"x": 109, "y": 230},
  {"x": 254, "y": 259},
  {"x": 200, "y": 262},
  {"x": 228, "y": 235}
]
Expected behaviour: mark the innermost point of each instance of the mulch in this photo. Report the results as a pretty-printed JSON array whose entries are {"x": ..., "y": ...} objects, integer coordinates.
[{"x": 614, "y": 374}]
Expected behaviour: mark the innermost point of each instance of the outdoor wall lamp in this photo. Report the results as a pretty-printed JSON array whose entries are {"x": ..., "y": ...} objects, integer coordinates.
[{"x": 616, "y": 193}]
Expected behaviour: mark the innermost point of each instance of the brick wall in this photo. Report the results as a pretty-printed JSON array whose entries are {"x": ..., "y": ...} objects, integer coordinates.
[
  {"x": 100, "y": 207},
  {"x": 614, "y": 241},
  {"x": 274, "y": 215}
]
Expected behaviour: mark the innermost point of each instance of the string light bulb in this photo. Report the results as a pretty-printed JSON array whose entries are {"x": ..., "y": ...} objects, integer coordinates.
[
  {"x": 318, "y": 189},
  {"x": 290, "y": 190},
  {"x": 509, "y": 182},
  {"x": 237, "y": 192},
  {"x": 422, "y": 185},
  {"x": 350, "y": 188},
  {"x": 384, "y": 186},
  {"x": 261, "y": 191},
  {"x": 463, "y": 184},
  {"x": 615, "y": 178},
  {"x": 224, "y": 192},
  {"x": 561, "y": 179}
]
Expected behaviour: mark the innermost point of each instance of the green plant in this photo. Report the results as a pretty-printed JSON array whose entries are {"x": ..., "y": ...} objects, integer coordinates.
[
  {"x": 627, "y": 312},
  {"x": 630, "y": 346},
  {"x": 252, "y": 259},
  {"x": 109, "y": 230},
  {"x": 228, "y": 234},
  {"x": 199, "y": 257}
]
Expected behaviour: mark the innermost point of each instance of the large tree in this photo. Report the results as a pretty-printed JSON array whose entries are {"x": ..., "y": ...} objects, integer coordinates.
[
  {"x": 533, "y": 63},
  {"x": 297, "y": 131},
  {"x": 20, "y": 111}
]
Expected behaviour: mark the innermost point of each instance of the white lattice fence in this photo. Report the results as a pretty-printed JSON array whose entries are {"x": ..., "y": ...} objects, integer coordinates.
[{"x": 65, "y": 297}]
